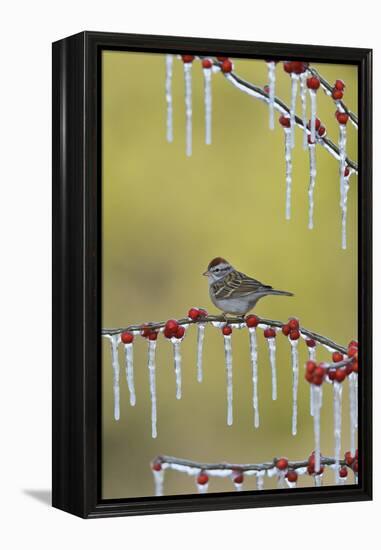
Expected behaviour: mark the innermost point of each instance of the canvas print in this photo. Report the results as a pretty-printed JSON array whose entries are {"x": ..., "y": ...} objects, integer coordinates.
[{"x": 229, "y": 273}]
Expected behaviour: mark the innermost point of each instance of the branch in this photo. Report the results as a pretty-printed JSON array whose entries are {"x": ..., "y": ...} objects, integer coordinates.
[
  {"x": 281, "y": 107},
  {"x": 329, "y": 89},
  {"x": 239, "y": 321}
]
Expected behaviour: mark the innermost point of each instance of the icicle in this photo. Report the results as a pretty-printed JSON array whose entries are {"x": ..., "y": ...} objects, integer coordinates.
[
  {"x": 288, "y": 147},
  {"x": 311, "y": 353},
  {"x": 337, "y": 401},
  {"x": 254, "y": 369},
  {"x": 177, "y": 364},
  {"x": 229, "y": 377},
  {"x": 114, "y": 340},
  {"x": 200, "y": 342},
  {"x": 352, "y": 412},
  {"x": 158, "y": 477},
  {"x": 344, "y": 184},
  {"x": 311, "y": 186},
  {"x": 356, "y": 395},
  {"x": 260, "y": 479},
  {"x": 281, "y": 480},
  {"x": 312, "y": 407},
  {"x": 271, "y": 79},
  {"x": 152, "y": 383},
  {"x": 202, "y": 488},
  {"x": 208, "y": 104},
  {"x": 317, "y": 401},
  {"x": 313, "y": 114},
  {"x": 168, "y": 95},
  {"x": 272, "y": 355},
  {"x": 129, "y": 353},
  {"x": 303, "y": 98},
  {"x": 188, "y": 107},
  {"x": 294, "y": 92},
  {"x": 295, "y": 380},
  {"x": 318, "y": 478}
]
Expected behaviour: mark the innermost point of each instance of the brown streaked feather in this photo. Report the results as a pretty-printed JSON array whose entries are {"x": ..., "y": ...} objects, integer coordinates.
[{"x": 237, "y": 284}]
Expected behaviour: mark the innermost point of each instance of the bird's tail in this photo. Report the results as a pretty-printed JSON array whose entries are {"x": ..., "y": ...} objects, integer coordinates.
[{"x": 280, "y": 292}]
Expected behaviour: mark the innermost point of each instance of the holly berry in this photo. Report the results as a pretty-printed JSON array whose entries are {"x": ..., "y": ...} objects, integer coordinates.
[
  {"x": 310, "y": 366},
  {"x": 322, "y": 131},
  {"x": 349, "y": 369},
  {"x": 252, "y": 321},
  {"x": 337, "y": 94},
  {"x": 349, "y": 459},
  {"x": 346, "y": 171},
  {"x": 227, "y": 66},
  {"x": 282, "y": 463},
  {"x": 293, "y": 324},
  {"x": 319, "y": 371},
  {"x": 127, "y": 337},
  {"x": 353, "y": 343},
  {"x": 202, "y": 478},
  {"x": 287, "y": 66},
  {"x": 156, "y": 466},
  {"x": 317, "y": 380},
  {"x": 343, "y": 472},
  {"x": 309, "y": 376},
  {"x": 294, "y": 334},
  {"x": 299, "y": 67},
  {"x": 193, "y": 313},
  {"x": 355, "y": 366},
  {"x": 337, "y": 357},
  {"x": 269, "y": 333},
  {"x": 238, "y": 478},
  {"x": 317, "y": 124},
  {"x": 227, "y": 330},
  {"x": 286, "y": 329},
  {"x": 285, "y": 121},
  {"x": 207, "y": 63},
  {"x": 180, "y": 332},
  {"x": 311, "y": 343},
  {"x": 332, "y": 374},
  {"x": 339, "y": 85},
  {"x": 313, "y": 83},
  {"x": 340, "y": 375},
  {"x": 187, "y": 58},
  {"x": 145, "y": 331},
  {"x": 152, "y": 335},
  {"x": 292, "y": 476},
  {"x": 342, "y": 118},
  {"x": 353, "y": 351},
  {"x": 171, "y": 327}
]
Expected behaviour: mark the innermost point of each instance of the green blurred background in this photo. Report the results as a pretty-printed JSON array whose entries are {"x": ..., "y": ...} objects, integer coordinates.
[{"x": 165, "y": 216}]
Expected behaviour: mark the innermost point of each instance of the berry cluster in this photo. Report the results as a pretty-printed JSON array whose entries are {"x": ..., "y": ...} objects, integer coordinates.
[
  {"x": 291, "y": 329},
  {"x": 282, "y": 465},
  {"x": 311, "y": 465},
  {"x": 342, "y": 118},
  {"x": 296, "y": 67},
  {"x": 319, "y": 129},
  {"x": 226, "y": 64},
  {"x": 172, "y": 329},
  {"x": 317, "y": 373},
  {"x": 148, "y": 332},
  {"x": 352, "y": 461},
  {"x": 196, "y": 314},
  {"x": 313, "y": 83},
  {"x": 338, "y": 90}
]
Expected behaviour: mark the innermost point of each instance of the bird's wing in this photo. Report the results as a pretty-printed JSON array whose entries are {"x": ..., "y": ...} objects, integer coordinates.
[{"x": 237, "y": 284}]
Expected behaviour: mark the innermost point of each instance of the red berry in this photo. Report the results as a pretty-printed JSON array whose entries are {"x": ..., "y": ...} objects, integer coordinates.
[
  {"x": 187, "y": 58},
  {"x": 221, "y": 58},
  {"x": 317, "y": 380},
  {"x": 282, "y": 464},
  {"x": 322, "y": 131},
  {"x": 339, "y": 85},
  {"x": 317, "y": 124},
  {"x": 332, "y": 374},
  {"x": 340, "y": 375},
  {"x": 343, "y": 472},
  {"x": 238, "y": 477},
  {"x": 202, "y": 478},
  {"x": 227, "y": 66},
  {"x": 311, "y": 343},
  {"x": 287, "y": 66},
  {"x": 145, "y": 331},
  {"x": 337, "y": 356},
  {"x": 285, "y": 121},
  {"x": 293, "y": 324},
  {"x": 127, "y": 337},
  {"x": 269, "y": 333},
  {"x": 310, "y": 366},
  {"x": 152, "y": 335},
  {"x": 156, "y": 466},
  {"x": 313, "y": 83},
  {"x": 349, "y": 369},
  {"x": 294, "y": 334},
  {"x": 292, "y": 476},
  {"x": 207, "y": 63},
  {"x": 346, "y": 171},
  {"x": 309, "y": 377},
  {"x": 171, "y": 326},
  {"x": 342, "y": 118},
  {"x": 349, "y": 459},
  {"x": 353, "y": 343},
  {"x": 355, "y": 366},
  {"x": 337, "y": 94},
  {"x": 203, "y": 312},
  {"x": 252, "y": 321},
  {"x": 320, "y": 371},
  {"x": 298, "y": 67},
  {"x": 168, "y": 333},
  {"x": 353, "y": 352},
  {"x": 227, "y": 330},
  {"x": 193, "y": 313},
  {"x": 180, "y": 332},
  {"x": 286, "y": 330}
]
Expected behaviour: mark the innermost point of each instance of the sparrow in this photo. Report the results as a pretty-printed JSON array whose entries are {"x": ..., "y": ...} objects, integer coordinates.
[{"x": 234, "y": 292}]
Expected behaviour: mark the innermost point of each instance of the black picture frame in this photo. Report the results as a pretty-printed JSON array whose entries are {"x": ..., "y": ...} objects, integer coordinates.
[{"x": 77, "y": 273}]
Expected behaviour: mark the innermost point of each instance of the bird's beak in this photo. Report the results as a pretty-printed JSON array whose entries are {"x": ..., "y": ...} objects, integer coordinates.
[{"x": 206, "y": 273}]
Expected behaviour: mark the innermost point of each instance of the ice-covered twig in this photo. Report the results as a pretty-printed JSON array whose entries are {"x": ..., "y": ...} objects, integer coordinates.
[
  {"x": 168, "y": 95},
  {"x": 254, "y": 370},
  {"x": 152, "y": 383}
]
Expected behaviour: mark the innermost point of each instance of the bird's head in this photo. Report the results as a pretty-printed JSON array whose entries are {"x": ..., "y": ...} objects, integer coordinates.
[{"x": 217, "y": 269}]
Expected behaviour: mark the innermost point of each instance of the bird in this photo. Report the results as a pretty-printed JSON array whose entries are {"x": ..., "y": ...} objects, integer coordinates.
[{"x": 234, "y": 292}]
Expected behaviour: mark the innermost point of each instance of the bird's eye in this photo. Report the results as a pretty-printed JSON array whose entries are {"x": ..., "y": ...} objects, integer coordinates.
[{"x": 217, "y": 269}]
